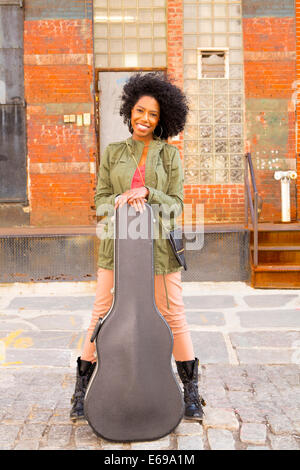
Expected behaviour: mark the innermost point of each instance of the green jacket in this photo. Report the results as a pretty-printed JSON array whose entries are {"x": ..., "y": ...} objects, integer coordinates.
[{"x": 164, "y": 180}]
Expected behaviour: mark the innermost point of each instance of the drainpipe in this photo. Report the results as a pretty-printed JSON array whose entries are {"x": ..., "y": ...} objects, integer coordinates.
[{"x": 285, "y": 178}]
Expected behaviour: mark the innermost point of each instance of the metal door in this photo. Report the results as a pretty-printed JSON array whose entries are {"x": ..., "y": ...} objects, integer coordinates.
[
  {"x": 13, "y": 174},
  {"x": 112, "y": 128}
]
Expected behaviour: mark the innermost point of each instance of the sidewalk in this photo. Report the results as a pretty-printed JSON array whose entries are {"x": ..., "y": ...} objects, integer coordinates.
[{"x": 248, "y": 343}]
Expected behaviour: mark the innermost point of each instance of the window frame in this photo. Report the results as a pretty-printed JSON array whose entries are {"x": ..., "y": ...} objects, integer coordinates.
[{"x": 201, "y": 50}]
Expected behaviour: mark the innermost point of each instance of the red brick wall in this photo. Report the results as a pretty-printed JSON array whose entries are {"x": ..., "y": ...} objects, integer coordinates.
[
  {"x": 175, "y": 50},
  {"x": 58, "y": 58},
  {"x": 297, "y": 93},
  {"x": 270, "y": 74},
  {"x": 59, "y": 80},
  {"x": 222, "y": 203}
]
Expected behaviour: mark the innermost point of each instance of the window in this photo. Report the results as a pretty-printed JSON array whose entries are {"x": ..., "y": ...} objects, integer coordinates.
[
  {"x": 213, "y": 63},
  {"x": 213, "y": 82},
  {"x": 130, "y": 33}
]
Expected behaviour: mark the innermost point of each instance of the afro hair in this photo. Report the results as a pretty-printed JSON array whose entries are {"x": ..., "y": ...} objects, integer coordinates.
[{"x": 173, "y": 103}]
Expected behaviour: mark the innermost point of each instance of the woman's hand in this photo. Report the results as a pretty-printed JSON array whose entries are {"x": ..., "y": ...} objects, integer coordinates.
[{"x": 135, "y": 197}]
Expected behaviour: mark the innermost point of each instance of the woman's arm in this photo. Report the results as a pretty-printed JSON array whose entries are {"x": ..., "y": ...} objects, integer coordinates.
[
  {"x": 104, "y": 191},
  {"x": 106, "y": 200}
]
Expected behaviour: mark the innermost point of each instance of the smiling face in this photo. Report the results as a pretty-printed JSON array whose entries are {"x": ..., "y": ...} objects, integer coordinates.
[{"x": 144, "y": 118}]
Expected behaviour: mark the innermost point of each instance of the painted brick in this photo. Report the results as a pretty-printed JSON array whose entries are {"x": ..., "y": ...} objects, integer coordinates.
[
  {"x": 222, "y": 203},
  {"x": 49, "y": 37},
  {"x": 270, "y": 74},
  {"x": 61, "y": 167},
  {"x": 269, "y": 34},
  {"x": 268, "y": 127},
  {"x": 55, "y": 84},
  {"x": 269, "y": 8},
  {"x": 269, "y": 79},
  {"x": 297, "y": 88},
  {"x": 58, "y": 80},
  {"x": 67, "y": 9},
  {"x": 61, "y": 199}
]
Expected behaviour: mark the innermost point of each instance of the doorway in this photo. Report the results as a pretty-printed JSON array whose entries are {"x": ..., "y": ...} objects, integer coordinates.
[
  {"x": 13, "y": 171},
  {"x": 111, "y": 126}
]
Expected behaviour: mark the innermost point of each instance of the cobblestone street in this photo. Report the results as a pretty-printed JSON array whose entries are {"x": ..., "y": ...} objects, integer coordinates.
[{"x": 248, "y": 343}]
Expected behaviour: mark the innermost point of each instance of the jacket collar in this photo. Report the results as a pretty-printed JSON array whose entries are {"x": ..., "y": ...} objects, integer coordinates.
[
  {"x": 156, "y": 143},
  {"x": 154, "y": 151}
]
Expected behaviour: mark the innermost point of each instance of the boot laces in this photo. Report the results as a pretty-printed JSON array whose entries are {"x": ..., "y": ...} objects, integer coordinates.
[
  {"x": 80, "y": 389},
  {"x": 191, "y": 395}
]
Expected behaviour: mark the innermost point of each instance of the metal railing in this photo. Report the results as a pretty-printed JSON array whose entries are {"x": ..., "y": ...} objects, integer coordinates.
[{"x": 251, "y": 204}]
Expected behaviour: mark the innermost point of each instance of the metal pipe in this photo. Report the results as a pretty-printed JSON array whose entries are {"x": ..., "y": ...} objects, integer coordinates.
[{"x": 285, "y": 178}]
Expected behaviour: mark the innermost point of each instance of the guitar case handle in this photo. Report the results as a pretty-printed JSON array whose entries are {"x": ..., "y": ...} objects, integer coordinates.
[{"x": 96, "y": 330}]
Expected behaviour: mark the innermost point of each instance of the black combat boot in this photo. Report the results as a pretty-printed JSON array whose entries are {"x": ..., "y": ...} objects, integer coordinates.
[
  {"x": 188, "y": 373},
  {"x": 83, "y": 375}
]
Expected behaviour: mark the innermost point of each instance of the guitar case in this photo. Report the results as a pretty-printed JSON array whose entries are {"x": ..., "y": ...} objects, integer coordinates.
[{"x": 133, "y": 394}]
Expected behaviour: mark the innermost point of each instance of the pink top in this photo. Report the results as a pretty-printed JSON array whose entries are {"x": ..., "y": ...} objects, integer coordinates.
[{"x": 137, "y": 182}]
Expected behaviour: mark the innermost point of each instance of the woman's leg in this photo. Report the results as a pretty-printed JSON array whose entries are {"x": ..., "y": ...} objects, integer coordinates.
[
  {"x": 86, "y": 363},
  {"x": 168, "y": 296},
  {"x": 102, "y": 304},
  {"x": 170, "y": 304}
]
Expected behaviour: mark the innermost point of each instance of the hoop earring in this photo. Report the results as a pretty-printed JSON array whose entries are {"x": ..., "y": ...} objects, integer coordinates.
[
  {"x": 130, "y": 127},
  {"x": 161, "y": 131}
]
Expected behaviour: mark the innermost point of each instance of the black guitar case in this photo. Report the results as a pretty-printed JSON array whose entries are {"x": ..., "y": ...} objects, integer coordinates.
[{"x": 133, "y": 394}]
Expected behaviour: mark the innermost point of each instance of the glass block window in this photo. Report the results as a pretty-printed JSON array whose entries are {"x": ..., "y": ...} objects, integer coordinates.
[
  {"x": 213, "y": 139},
  {"x": 130, "y": 33}
]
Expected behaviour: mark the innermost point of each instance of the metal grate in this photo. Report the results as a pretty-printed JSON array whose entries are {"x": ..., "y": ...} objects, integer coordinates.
[
  {"x": 224, "y": 257},
  {"x": 45, "y": 259}
]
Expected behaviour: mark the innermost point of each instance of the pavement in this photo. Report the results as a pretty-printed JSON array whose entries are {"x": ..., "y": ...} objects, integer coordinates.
[{"x": 247, "y": 340}]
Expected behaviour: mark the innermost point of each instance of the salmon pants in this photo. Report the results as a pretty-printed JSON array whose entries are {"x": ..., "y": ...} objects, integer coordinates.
[{"x": 168, "y": 298}]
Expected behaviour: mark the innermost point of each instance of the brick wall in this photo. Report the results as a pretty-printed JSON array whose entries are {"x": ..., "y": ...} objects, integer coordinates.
[
  {"x": 58, "y": 59},
  {"x": 58, "y": 47},
  {"x": 175, "y": 51},
  {"x": 222, "y": 203},
  {"x": 297, "y": 96},
  {"x": 270, "y": 74}
]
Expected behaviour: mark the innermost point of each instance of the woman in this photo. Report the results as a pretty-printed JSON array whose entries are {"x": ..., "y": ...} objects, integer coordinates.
[{"x": 145, "y": 169}]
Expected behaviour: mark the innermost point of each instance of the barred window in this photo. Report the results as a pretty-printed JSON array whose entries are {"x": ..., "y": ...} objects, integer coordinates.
[{"x": 212, "y": 63}]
